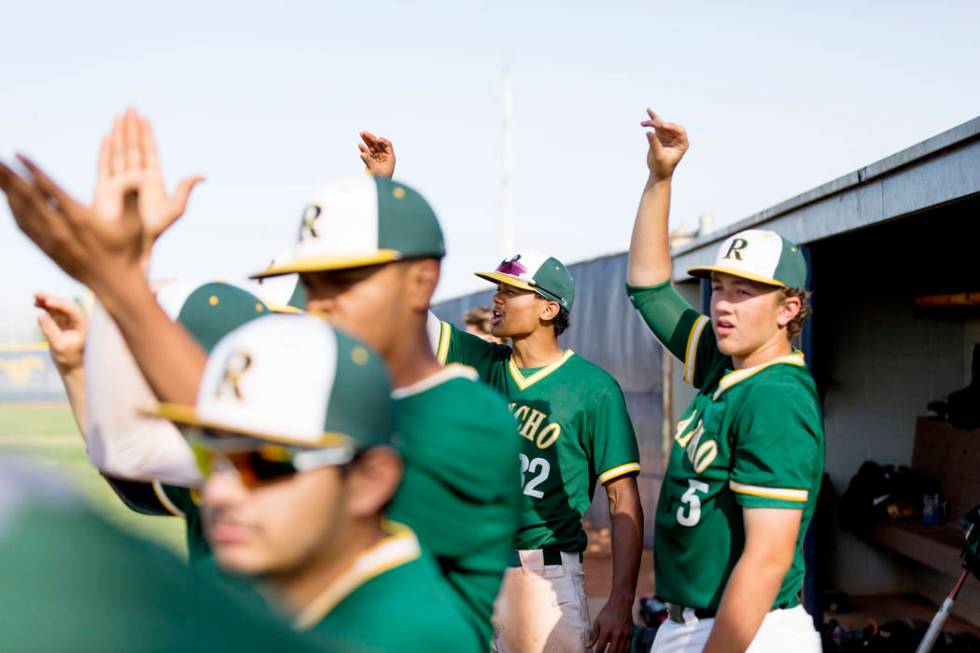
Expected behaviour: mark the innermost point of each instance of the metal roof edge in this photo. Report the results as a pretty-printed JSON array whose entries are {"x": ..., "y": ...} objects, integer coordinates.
[{"x": 948, "y": 139}]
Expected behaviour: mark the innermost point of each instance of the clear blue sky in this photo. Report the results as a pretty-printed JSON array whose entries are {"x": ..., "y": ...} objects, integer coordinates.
[{"x": 267, "y": 99}]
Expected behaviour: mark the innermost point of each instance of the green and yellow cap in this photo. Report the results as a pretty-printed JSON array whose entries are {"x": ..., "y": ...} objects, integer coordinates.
[
  {"x": 539, "y": 273},
  {"x": 362, "y": 221},
  {"x": 259, "y": 383},
  {"x": 758, "y": 255},
  {"x": 210, "y": 310}
]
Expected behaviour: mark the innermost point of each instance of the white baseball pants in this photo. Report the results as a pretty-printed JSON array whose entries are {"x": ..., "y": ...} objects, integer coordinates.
[
  {"x": 542, "y": 608},
  {"x": 782, "y": 631}
]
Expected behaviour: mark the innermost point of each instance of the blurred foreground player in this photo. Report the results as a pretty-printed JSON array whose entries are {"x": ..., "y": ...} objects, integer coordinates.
[
  {"x": 298, "y": 468},
  {"x": 744, "y": 472},
  {"x": 72, "y": 582}
]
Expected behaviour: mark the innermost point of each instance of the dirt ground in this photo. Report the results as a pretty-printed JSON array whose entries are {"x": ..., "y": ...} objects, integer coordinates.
[{"x": 598, "y": 571}]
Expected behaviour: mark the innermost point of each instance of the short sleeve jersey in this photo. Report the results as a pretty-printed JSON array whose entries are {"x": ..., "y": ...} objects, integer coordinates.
[
  {"x": 752, "y": 438},
  {"x": 573, "y": 430},
  {"x": 392, "y": 600},
  {"x": 456, "y": 437}
]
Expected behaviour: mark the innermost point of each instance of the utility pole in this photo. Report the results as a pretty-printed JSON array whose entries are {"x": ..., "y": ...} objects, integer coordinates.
[{"x": 507, "y": 192}]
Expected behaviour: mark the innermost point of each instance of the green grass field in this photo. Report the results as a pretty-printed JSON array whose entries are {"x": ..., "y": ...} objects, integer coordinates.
[{"x": 47, "y": 435}]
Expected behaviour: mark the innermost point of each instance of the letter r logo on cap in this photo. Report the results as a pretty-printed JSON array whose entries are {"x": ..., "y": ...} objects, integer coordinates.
[{"x": 736, "y": 248}]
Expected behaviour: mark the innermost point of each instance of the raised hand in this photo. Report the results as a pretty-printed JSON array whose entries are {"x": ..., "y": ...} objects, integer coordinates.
[
  {"x": 81, "y": 242},
  {"x": 668, "y": 143},
  {"x": 64, "y": 325},
  {"x": 128, "y": 158},
  {"x": 378, "y": 155}
]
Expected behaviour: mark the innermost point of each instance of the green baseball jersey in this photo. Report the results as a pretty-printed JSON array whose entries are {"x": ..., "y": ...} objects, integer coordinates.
[
  {"x": 393, "y": 599},
  {"x": 457, "y": 493},
  {"x": 752, "y": 438},
  {"x": 573, "y": 429},
  {"x": 73, "y": 582}
]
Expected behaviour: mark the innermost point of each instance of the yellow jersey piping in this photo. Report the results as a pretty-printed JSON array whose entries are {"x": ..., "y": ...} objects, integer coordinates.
[
  {"x": 737, "y": 376},
  {"x": 691, "y": 351},
  {"x": 401, "y": 547},
  {"x": 525, "y": 383},
  {"x": 616, "y": 472},
  {"x": 445, "y": 338},
  {"x": 785, "y": 494}
]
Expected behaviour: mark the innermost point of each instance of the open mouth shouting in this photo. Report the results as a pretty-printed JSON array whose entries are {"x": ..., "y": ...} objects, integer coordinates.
[{"x": 724, "y": 327}]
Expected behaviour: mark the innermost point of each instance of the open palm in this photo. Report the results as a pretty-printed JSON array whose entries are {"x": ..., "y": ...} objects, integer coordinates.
[{"x": 128, "y": 159}]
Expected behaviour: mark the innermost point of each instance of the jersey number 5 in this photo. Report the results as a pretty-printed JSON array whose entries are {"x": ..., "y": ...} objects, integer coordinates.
[
  {"x": 692, "y": 502},
  {"x": 538, "y": 466}
]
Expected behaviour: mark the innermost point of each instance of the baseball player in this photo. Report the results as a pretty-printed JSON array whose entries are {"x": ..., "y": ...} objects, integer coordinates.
[
  {"x": 368, "y": 256},
  {"x": 745, "y": 466},
  {"x": 74, "y": 582},
  {"x": 298, "y": 468},
  {"x": 574, "y": 431}
]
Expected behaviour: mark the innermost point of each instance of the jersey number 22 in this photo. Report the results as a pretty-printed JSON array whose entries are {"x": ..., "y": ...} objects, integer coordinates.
[{"x": 538, "y": 466}]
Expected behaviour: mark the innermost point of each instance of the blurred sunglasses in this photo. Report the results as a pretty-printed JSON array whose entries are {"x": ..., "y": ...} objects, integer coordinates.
[{"x": 257, "y": 462}]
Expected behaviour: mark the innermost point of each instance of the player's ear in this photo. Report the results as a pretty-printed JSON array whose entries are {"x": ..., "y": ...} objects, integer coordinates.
[
  {"x": 788, "y": 307},
  {"x": 549, "y": 310},
  {"x": 372, "y": 480}
]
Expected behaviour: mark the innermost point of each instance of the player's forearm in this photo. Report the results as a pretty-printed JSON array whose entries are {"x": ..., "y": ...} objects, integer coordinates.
[
  {"x": 626, "y": 518},
  {"x": 171, "y": 360},
  {"x": 748, "y": 597},
  {"x": 649, "y": 256},
  {"x": 74, "y": 382}
]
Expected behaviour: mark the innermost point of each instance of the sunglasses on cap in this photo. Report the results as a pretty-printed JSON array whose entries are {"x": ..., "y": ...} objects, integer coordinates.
[
  {"x": 257, "y": 462},
  {"x": 514, "y": 268}
]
